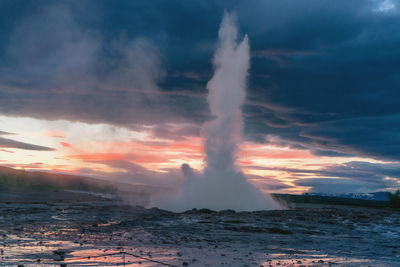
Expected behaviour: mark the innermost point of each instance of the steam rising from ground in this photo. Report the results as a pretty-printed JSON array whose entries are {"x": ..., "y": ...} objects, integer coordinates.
[{"x": 222, "y": 185}]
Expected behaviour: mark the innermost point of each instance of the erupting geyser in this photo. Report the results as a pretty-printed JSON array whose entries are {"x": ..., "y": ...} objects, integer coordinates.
[{"x": 222, "y": 185}]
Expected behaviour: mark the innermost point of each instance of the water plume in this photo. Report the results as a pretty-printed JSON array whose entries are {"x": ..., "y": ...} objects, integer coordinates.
[{"x": 222, "y": 185}]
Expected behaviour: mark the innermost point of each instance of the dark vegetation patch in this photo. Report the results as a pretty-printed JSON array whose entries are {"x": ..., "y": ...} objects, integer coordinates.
[
  {"x": 313, "y": 199},
  {"x": 11, "y": 179},
  {"x": 394, "y": 199}
]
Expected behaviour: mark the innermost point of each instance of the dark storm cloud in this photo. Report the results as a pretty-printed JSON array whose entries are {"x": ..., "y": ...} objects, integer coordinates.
[
  {"x": 58, "y": 65},
  {"x": 352, "y": 176},
  {"x": 337, "y": 78},
  {"x": 370, "y": 136},
  {"x": 324, "y": 74},
  {"x": 9, "y": 143},
  {"x": 176, "y": 133},
  {"x": 330, "y": 153},
  {"x": 331, "y": 185}
]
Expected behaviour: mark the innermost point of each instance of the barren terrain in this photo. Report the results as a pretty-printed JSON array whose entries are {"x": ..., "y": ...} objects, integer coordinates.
[{"x": 79, "y": 229}]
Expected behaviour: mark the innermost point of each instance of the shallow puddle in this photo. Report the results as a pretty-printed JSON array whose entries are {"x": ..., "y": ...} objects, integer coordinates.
[{"x": 27, "y": 251}]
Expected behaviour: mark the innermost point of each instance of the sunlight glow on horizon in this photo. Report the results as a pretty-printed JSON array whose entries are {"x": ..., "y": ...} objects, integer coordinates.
[{"x": 98, "y": 149}]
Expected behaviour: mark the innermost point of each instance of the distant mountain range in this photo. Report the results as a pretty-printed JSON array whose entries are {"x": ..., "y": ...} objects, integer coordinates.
[{"x": 378, "y": 196}]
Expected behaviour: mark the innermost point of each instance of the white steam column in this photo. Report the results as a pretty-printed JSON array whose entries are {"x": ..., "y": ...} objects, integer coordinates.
[{"x": 222, "y": 185}]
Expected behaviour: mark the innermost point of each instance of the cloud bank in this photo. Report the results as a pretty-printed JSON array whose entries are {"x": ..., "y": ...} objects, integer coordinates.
[{"x": 324, "y": 74}]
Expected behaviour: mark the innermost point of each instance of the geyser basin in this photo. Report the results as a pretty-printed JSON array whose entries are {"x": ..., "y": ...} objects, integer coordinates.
[{"x": 222, "y": 185}]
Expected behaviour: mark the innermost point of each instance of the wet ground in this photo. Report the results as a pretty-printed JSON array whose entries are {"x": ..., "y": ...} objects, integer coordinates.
[{"x": 75, "y": 229}]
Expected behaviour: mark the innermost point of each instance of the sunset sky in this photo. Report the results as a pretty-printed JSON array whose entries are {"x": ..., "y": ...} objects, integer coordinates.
[{"x": 117, "y": 90}]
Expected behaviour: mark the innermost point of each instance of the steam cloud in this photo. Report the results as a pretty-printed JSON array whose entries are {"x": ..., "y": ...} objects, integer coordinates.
[{"x": 222, "y": 185}]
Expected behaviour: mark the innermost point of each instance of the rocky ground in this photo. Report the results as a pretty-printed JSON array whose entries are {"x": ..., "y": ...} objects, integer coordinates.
[{"x": 77, "y": 229}]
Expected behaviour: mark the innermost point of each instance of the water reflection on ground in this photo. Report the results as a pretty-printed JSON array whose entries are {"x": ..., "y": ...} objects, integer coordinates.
[
  {"x": 104, "y": 232},
  {"x": 55, "y": 253}
]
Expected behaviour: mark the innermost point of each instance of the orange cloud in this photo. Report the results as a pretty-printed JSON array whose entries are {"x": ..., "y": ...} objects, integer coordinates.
[
  {"x": 54, "y": 134},
  {"x": 36, "y": 165},
  {"x": 138, "y": 152},
  {"x": 245, "y": 162},
  {"x": 64, "y": 144},
  {"x": 144, "y": 157},
  {"x": 64, "y": 170},
  {"x": 71, "y": 148},
  {"x": 4, "y": 150},
  {"x": 98, "y": 156}
]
